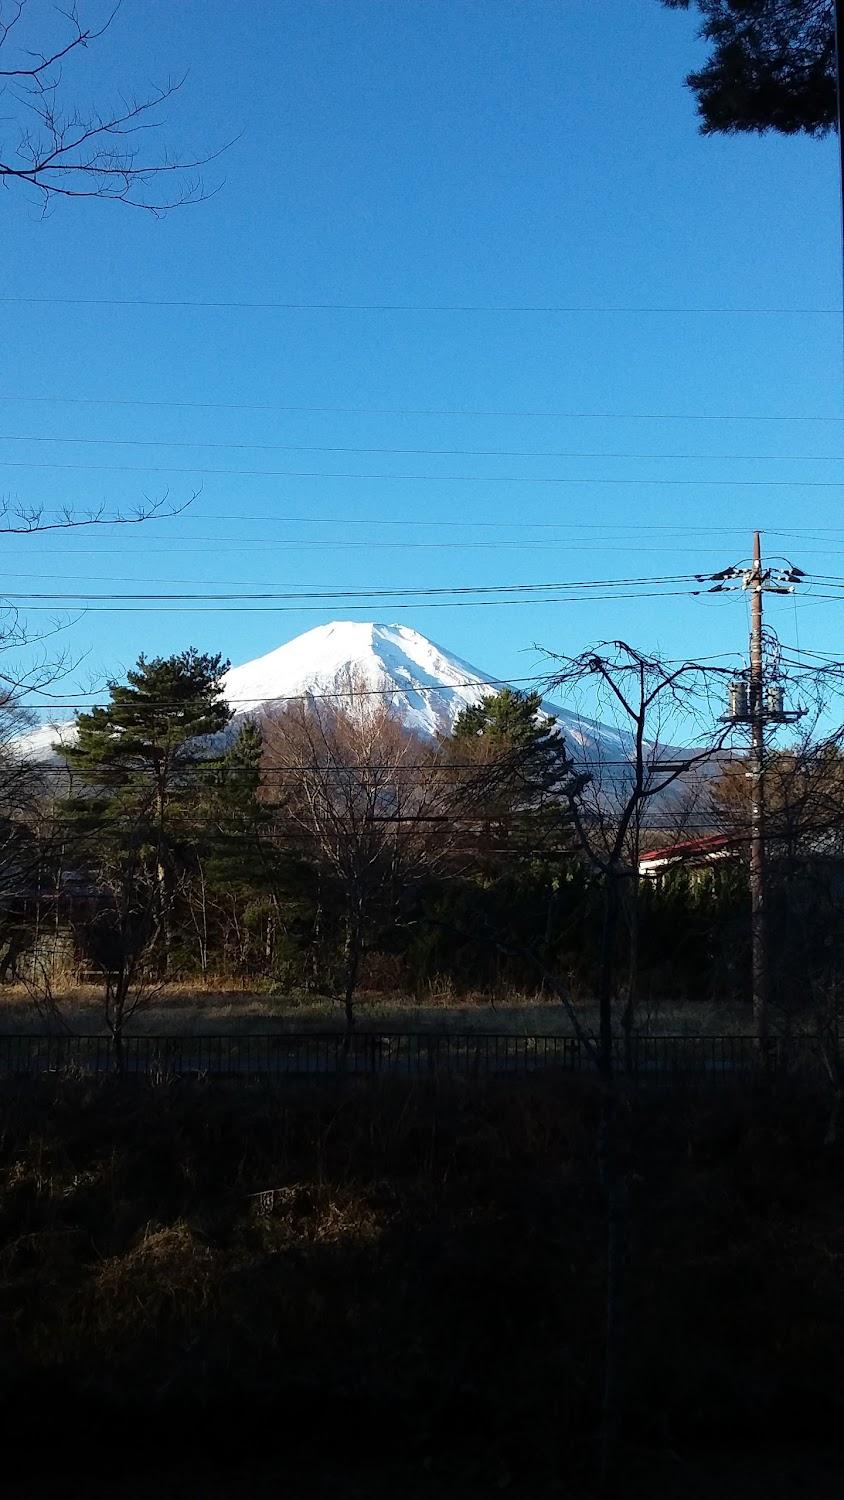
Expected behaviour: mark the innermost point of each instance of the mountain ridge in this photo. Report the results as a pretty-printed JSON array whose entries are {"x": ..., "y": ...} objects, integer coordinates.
[{"x": 426, "y": 685}]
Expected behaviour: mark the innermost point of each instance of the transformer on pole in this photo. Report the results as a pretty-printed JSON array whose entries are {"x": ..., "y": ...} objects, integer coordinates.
[{"x": 756, "y": 702}]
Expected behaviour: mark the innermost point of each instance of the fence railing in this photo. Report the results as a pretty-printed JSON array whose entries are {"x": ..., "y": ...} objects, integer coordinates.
[{"x": 413, "y": 1054}]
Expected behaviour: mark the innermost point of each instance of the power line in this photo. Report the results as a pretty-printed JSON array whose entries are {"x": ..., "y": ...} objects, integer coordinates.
[
  {"x": 614, "y": 528},
  {"x": 366, "y": 608},
  {"x": 281, "y": 545},
  {"x": 426, "y": 478},
  {"x": 239, "y": 583},
  {"x": 375, "y": 592},
  {"x": 493, "y": 309},
  {"x": 420, "y": 411},
  {"x": 307, "y": 695},
  {"x": 351, "y": 692},
  {"x": 108, "y": 442}
]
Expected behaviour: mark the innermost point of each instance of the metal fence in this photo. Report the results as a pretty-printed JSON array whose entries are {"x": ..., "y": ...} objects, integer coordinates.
[{"x": 411, "y": 1054}]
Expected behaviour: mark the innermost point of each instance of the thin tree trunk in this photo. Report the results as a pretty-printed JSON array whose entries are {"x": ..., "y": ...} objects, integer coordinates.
[
  {"x": 116, "y": 1016},
  {"x": 615, "y": 1194},
  {"x": 164, "y": 913},
  {"x": 550, "y": 912},
  {"x": 605, "y": 973},
  {"x": 629, "y": 1013},
  {"x": 351, "y": 955},
  {"x": 163, "y": 883},
  {"x": 612, "y": 1182}
]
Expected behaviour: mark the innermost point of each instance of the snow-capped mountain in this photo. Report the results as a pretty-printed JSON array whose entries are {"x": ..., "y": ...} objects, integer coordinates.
[
  {"x": 426, "y": 685},
  {"x": 423, "y": 683}
]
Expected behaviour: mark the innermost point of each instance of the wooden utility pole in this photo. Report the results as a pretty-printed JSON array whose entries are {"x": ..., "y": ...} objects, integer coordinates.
[
  {"x": 757, "y": 700},
  {"x": 757, "y": 706}
]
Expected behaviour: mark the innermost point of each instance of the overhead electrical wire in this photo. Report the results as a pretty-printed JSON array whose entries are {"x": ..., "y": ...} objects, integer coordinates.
[
  {"x": 238, "y": 583},
  {"x": 616, "y": 529},
  {"x": 211, "y": 547},
  {"x": 542, "y": 678},
  {"x": 421, "y": 411},
  {"x": 200, "y": 304},
  {"x": 201, "y": 547},
  {"x": 421, "y": 478},
  {"x": 256, "y": 447},
  {"x": 425, "y": 603},
  {"x": 376, "y": 591}
]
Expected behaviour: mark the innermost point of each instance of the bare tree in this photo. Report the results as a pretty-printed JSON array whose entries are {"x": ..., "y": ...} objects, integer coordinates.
[
  {"x": 366, "y": 802},
  {"x": 20, "y": 845},
  {"x": 644, "y": 781},
  {"x": 58, "y": 147},
  {"x": 650, "y": 702},
  {"x": 27, "y": 828},
  {"x": 120, "y": 921}
]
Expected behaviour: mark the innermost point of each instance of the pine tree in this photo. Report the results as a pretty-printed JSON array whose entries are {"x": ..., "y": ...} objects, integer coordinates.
[
  {"x": 512, "y": 726},
  {"x": 154, "y": 724},
  {"x": 138, "y": 759},
  {"x": 519, "y": 771},
  {"x": 771, "y": 65},
  {"x": 231, "y": 863},
  {"x": 233, "y": 816}
]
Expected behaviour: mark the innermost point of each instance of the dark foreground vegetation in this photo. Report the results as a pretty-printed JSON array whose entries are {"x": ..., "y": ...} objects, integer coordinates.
[{"x": 419, "y": 1310}]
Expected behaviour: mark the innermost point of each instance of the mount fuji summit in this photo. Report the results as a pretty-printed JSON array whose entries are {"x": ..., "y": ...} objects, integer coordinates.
[{"x": 424, "y": 684}]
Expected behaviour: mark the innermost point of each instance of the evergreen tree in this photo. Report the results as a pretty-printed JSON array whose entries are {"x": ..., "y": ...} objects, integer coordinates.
[
  {"x": 516, "y": 772},
  {"x": 153, "y": 727},
  {"x": 526, "y": 744},
  {"x": 229, "y": 814},
  {"x": 232, "y": 864},
  {"x": 771, "y": 65},
  {"x": 138, "y": 759}
]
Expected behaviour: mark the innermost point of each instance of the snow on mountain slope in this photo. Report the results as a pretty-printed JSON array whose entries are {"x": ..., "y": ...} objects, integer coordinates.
[
  {"x": 37, "y": 744},
  {"x": 422, "y": 682},
  {"x": 426, "y": 685}
]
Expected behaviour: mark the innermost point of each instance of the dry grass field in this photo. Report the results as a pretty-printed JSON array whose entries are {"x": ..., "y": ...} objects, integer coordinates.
[{"x": 191, "y": 1009}]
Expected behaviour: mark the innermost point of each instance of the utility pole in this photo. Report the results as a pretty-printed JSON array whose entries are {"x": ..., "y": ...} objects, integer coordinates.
[
  {"x": 756, "y": 702},
  {"x": 755, "y": 581}
]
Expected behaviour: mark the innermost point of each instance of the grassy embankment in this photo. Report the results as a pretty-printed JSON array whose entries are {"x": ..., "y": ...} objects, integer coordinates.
[{"x": 421, "y": 1312}]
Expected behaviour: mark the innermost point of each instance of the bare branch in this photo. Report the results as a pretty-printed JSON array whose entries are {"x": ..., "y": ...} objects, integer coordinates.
[
  {"x": 33, "y": 519},
  {"x": 61, "y": 150}
]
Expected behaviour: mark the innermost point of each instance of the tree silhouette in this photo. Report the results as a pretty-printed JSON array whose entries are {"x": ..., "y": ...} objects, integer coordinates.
[{"x": 771, "y": 65}]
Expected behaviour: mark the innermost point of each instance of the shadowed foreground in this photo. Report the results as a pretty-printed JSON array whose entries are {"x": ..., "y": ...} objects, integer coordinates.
[{"x": 418, "y": 1306}]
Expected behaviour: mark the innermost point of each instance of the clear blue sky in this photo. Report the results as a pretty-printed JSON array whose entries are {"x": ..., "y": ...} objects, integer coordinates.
[{"x": 429, "y": 152}]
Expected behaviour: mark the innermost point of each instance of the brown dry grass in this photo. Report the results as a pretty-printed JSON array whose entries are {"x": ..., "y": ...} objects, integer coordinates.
[{"x": 190, "y": 1008}]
